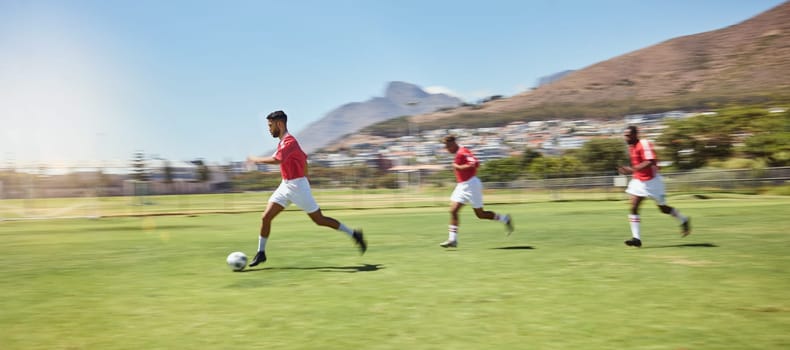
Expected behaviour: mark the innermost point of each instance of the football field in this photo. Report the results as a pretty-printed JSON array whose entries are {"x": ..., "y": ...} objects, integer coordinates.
[{"x": 563, "y": 280}]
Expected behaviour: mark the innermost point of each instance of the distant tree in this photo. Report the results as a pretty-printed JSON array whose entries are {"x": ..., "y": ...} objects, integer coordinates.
[
  {"x": 167, "y": 170},
  {"x": 439, "y": 178},
  {"x": 362, "y": 176},
  {"x": 773, "y": 147},
  {"x": 770, "y": 139},
  {"x": 139, "y": 170},
  {"x": 553, "y": 167},
  {"x": 203, "y": 172},
  {"x": 678, "y": 145},
  {"x": 692, "y": 143},
  {"x": 528, "y": 156},
  {"x": 386, "y": 181},
  {"x": 732, "y": 120},
  {"x": 500, "y": 170},
  {"x": 571, "y": 166},
  {"x": 603, "y": 155},
  {"x": 255, "y": 181},
  {"x": 714, "y": 146}
]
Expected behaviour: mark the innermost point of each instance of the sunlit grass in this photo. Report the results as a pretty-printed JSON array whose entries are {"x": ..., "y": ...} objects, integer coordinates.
[{"x": 564, "y": 280}]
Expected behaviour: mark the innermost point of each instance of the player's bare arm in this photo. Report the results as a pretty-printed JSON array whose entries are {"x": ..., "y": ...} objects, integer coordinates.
[
  {"x": 626, "y": 170},
  {"x": 462, "y": 166},
  {"x": 265, "y": 160}
]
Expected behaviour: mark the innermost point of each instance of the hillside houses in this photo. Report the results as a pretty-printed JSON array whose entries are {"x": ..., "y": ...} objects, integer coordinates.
[
  {"x": 550, "y": 137},
  {"x": 419, "y": 153}
]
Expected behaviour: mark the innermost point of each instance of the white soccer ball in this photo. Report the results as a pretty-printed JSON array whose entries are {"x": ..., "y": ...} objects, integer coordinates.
[{"x": 237, "y": 261}]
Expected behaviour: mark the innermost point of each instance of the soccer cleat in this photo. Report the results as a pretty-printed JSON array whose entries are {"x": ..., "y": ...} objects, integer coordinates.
[
  {"x": 449, "y": 244},
  {"x": 359, "y": 238},
  {"x": 633, "y": 242},
  {"x": 686, "y": 227},
  {"x": 509, "y": 224},
  {"x": 260, "y": 257}
]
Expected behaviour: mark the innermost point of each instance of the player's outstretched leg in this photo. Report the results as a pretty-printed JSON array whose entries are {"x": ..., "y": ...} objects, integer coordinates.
[
  {"x": 359, "y": 239},
  {"x": 685, "y": 227},
  {"x": 319, "y": 218},
  {"x": 633, "y": 242},
  {"x": 452, "y": 237},
  {"x": 509, "y": 224},
  {"x": 272, "y": 209},
  {"x": 490, "y": 215},
  {"x": 685, "y": 221},
  {"x": 449, "y": 244},
  {"x": 260, "y": 257}
]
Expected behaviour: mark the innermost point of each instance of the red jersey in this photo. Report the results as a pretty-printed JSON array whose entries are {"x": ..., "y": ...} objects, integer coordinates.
[
  {"x": 465, "y": 156},
  {"x": 640, "y": 152},
  {"x": 293, "y": 160}
]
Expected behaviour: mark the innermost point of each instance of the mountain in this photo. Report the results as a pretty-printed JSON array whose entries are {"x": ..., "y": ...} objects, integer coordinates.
[
  {"x": 399, "y": 99},
  {"x": 552, "y": 78},
  {"x": 746, "y": 62}
]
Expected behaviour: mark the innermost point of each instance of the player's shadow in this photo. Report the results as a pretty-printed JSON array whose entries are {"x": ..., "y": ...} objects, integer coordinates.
[
  {"x": 345, "y": 269},
  {"x": 516, "y": 247},
  {"x": 685, "y": 245}
]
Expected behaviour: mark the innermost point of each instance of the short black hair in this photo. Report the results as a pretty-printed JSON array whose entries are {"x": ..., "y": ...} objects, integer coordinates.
[
  {"x": 277, "y": 115},
  {"x": 633, "y": 129},
  {"x": 447, "y": 139}
]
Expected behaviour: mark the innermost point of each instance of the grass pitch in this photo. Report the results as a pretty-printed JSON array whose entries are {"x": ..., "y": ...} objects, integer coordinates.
[{"x": 563, "y": 280}]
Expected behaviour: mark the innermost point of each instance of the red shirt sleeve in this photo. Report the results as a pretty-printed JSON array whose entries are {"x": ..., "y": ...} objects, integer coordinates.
[
  {"x": 284, "y": 149},
  {"x": 647, "y": 148},
  {"x": 460, "y": 158}
]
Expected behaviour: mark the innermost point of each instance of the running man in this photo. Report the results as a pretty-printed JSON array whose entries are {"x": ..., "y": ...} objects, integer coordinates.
[
  {"x": 468, "y": 190},
  {"x": 294, "y": 188},
  {"x": 646, "y": 182}
]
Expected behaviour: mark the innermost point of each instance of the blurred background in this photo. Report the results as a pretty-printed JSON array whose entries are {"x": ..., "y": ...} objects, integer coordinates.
[{"x": 138, "y": 108}]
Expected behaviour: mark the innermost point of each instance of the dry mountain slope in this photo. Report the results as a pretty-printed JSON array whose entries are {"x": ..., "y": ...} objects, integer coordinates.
[{"x": 749, "y": 59}]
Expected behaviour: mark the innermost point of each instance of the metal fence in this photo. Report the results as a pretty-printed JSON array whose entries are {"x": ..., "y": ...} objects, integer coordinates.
[
  {"x": 716, "y": 180},
  {"x": 340, "y": 196}
]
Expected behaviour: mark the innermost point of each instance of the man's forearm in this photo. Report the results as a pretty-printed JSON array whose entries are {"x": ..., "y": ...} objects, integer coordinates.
[
  {"x": 643, "y": 165},
  {"x": 265, "y": 160}
]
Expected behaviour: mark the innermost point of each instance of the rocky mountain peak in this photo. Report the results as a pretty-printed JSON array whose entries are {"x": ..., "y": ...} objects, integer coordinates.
[{"x": 404, "y": 93}]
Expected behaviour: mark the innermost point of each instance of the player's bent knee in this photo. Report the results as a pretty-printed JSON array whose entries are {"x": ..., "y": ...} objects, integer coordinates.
[{"x": 321, "y": 220}]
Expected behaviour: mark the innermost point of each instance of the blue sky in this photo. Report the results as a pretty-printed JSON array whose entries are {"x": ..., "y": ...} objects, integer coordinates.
[{"x": 82, "y": 81}]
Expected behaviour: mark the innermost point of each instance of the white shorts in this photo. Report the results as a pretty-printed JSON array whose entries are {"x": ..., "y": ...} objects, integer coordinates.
[
  {"x": 653, "y": 188},
  {"x": 469, "y": 192},
  {"x": 296, "y": 191}
]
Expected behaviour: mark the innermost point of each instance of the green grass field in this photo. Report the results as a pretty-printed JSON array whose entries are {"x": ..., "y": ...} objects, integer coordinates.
[{"x": 564, "y": 280}]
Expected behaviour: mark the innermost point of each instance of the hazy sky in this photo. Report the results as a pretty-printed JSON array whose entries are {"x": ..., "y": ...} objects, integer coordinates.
[{"x": 97, "y": 80}]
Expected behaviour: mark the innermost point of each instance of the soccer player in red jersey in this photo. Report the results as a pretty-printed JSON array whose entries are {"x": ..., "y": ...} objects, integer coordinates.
[
  {"x": 646, "y": 182},
  {"x": 294, "y": 188},
  {"x": 468, "y": 190}
]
